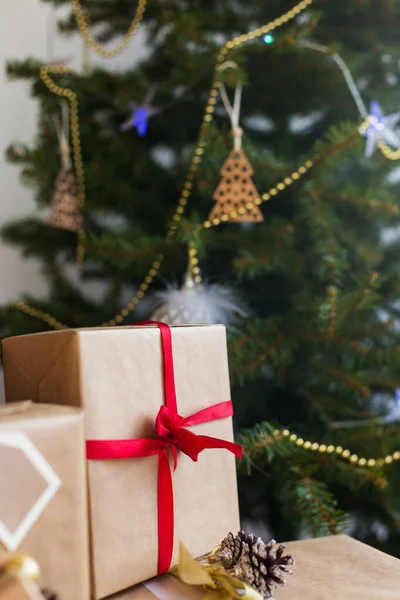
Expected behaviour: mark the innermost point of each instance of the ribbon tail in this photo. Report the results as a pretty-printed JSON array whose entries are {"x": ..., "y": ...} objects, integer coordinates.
[
  {"x": 212, "y": 413},
  {"x": 165, "y": 513},
  {"x": 211, "y": 442}
]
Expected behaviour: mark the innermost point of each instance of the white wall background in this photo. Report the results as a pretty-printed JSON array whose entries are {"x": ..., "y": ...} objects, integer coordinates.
[
  {"x": 22, "y": 33},
  {"x": 27, "y": 30}
]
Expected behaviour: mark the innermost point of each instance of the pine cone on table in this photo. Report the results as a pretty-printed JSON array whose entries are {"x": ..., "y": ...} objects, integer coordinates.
[
  {"x": 252, "y": 561},
  {"x": 232, "y": 548}
]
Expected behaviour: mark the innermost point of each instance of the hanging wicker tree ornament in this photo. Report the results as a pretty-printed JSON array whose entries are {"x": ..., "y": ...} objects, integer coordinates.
[
  {"x": 65, "y": 211},
  {"x": 236, "y": 189}
]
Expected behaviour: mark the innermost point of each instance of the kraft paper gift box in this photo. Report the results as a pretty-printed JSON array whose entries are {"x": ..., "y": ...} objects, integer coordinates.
[
  {"x": 165, "y": 587},
  {"x": 342, "y": 568},
  {"x": 117, "y": 376},
  {"x": 43, "y": 493},
  {"x": 12, "y": 588}
]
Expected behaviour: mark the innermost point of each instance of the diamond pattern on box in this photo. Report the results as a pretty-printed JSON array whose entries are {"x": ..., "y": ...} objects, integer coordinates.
[{"x": 40, "y": 484}]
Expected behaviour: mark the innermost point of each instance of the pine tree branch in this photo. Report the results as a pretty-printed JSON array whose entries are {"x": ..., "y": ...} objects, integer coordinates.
[
  {"x": 328, "y": 237},
  {"x": 366, "y": 253},
  {"x": 385, "y": 208},
  {"x": 348, "y": 379},
  {"x": 259, "y": 359},
  {"x": 317, "y": 507}
]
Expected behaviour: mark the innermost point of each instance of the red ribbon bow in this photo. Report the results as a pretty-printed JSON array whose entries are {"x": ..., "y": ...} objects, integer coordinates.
[{"x": 171, "y": 434}]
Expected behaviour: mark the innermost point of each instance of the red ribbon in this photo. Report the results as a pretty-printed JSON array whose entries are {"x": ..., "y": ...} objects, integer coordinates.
[{"x": 171, "y": 434}]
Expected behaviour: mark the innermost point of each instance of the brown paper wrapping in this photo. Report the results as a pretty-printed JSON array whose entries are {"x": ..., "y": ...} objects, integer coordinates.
[
  {"x": 58, "y": 538},
  {"x": 116, "y": 375},
  {"x": 12, "y": 589},
  {"x": 331, "y": 568},
  {"x": 341, "y": 568}
]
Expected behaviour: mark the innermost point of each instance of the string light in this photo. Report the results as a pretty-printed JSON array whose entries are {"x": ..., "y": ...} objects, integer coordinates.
[
  {"x": 269, "y": 39},
  {"x": 195, "y": 161},
  {"x": 367, "y": 118},
  {"x": 91, "y": 43},
  {"x": 346, "y": 454},
  {"x": 384, "y": 148},
  {"x": 351, "y": 84}
]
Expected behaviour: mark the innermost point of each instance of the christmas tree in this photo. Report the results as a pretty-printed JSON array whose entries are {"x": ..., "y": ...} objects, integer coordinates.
[{"x": 315, "y": 364}]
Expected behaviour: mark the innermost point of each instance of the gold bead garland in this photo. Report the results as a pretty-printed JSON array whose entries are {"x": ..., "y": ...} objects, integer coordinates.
[
  {"x": 338, "y": 450},
  {"x": 91, "y": 43},
  {"x": 194, "y": 264},
  {"x": 76, "y": 144},
  {"x": 195, "y": 162},
  {"x": 38, "y": 314},
  {"x": 117, "y": 320},
  {"x": 388, "y": 152}
]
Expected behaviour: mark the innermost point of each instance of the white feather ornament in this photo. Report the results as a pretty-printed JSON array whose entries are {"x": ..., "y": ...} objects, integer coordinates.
[{"x": 198, "y": 304}]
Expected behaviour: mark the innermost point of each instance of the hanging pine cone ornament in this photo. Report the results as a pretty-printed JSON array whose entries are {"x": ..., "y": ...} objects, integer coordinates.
[
  {"x": 65, "y": 203},
  {"x": 65, "y": 211},
  {"x": 260, "y": 565}
]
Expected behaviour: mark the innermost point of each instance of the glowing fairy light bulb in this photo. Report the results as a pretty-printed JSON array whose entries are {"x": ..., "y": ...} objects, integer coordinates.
[{"x": 269, "y": 39}]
